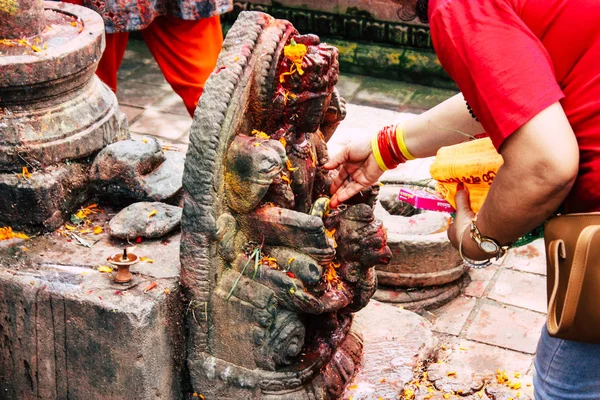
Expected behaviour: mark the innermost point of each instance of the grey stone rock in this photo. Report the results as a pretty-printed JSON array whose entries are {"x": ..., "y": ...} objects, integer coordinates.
[
  {"x": 137, "y": 170},
  {"x": 44, "y": 200},
  {"x": 136, "y": 220}
]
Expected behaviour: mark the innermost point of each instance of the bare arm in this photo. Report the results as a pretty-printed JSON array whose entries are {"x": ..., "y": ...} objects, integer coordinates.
[
  {"x": 447, "y": 123},
  {"x": 541, "y": 161}
]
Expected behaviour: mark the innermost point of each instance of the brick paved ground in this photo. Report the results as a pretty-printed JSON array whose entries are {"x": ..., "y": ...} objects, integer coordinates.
[{"x": 495, "y": 323}]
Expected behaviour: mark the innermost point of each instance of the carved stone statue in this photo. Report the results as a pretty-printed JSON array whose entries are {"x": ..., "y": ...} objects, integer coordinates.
[{"x": 271, "y": 274}]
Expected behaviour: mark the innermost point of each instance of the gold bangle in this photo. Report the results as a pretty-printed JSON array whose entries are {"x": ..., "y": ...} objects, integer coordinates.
[
  {"x": 401, "y": 143},
  {"x": 377, "y": 154}
]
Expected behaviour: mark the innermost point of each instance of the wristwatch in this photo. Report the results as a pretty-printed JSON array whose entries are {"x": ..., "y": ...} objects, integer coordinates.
[{"x": 487, "y": 244}]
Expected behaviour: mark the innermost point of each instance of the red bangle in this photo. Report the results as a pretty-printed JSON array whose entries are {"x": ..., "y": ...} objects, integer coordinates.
[
  {"x": 393, "y": 143},
  {"x": 385, "y": 150},
  {"x": 390, "y": 137}
]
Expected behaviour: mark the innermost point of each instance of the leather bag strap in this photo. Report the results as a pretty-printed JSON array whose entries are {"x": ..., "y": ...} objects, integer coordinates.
[{"x": 557, "y": 251}]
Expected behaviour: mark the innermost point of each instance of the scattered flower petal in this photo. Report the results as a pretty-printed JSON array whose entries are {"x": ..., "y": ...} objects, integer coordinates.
[
  {"x": 151, "y": 286},
  {"x": 104, "y": 269}
]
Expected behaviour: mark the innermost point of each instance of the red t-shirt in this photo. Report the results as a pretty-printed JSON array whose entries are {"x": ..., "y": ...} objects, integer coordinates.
[{"x": 513, "y": 58}]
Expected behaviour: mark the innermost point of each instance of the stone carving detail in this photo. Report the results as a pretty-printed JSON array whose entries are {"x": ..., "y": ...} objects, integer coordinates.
[{"x": 271, "y": 275}]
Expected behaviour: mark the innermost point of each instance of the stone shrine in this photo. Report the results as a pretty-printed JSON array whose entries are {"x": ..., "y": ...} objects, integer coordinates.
[{"x": 271, "y": 276}]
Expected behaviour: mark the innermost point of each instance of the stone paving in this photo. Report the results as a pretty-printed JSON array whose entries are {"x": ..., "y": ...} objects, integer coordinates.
[{"x": 493, "y": 325}]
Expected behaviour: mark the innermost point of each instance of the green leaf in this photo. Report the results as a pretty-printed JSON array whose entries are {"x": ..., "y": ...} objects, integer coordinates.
[{"x": 76, "y": 220}]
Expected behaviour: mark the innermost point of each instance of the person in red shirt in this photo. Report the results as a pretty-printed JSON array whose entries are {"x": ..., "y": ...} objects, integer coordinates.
[{"x": 530, "y": 72}]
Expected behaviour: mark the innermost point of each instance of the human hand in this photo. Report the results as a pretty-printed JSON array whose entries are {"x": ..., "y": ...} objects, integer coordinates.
[
  {"x": 358, "y": 171},
  {"x": 461, "y": 225}
]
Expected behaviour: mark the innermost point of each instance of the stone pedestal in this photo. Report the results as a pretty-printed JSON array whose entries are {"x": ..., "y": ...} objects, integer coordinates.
[
  {"x": 425, "y": 271},
  {"x": 22, "y": 19},
  {"x": 54, "y": 110},
  {"x": 68, "y": 331}
]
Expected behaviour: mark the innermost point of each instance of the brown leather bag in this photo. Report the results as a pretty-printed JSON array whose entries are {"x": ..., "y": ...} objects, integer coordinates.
[{"x": 573, "y": 265}]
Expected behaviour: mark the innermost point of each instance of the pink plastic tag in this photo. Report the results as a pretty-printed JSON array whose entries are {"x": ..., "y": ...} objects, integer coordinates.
[{"x": 424, "y": 199}]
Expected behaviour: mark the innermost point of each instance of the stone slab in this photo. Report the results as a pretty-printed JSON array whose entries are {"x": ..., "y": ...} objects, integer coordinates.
[
  {"x": 132, "y": 113},
  {"x": 482, "y": 358},
  {"x": 506, "y": 326},
  {"x": 161, "y": 124},
  {"x": 55, "y": 249},
  {"x": 452, "y": 317},
  {"x": 395, "y": 342},
  {"x": 528, "y": 258},
  {"x": 171, "y": 103},
  {"x": 468, "y": 370},
  {"x": 70, "y": 332},
  {"x": 425, "y": 97},
  {"x": 139, "y": 94},
  {"x": 480, "y": 280},
  {"x": 348, "y": 84},
  {"x": 520, "y": 289},
  {"x": 377, "y": 93},
  {"x": 149, "y": 73},
  {"x": 128, "y": 66},
  {"x": 138, "y": 50}
]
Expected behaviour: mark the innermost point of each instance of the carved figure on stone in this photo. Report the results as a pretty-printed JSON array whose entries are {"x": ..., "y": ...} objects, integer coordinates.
[{"x": 271, "y": 274}]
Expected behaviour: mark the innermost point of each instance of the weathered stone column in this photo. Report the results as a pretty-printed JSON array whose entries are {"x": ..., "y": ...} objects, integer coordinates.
[
  {"x": 55, "y": 112},
  {"x": 21, "y": 18}
]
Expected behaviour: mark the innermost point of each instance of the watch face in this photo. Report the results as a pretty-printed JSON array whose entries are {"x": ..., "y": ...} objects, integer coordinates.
[{"x": 489, "y": 246}]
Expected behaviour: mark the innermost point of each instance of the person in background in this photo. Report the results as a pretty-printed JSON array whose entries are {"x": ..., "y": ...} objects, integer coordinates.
[
  {"x": 529, "y": 71},
  {"x": 184, "y": 36}
]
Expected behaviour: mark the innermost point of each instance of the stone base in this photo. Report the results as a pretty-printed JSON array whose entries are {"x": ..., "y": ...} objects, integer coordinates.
[
  {"x": 43, "y": 201},
  {"x": 426, "y": 271},
  {"x": 67, "y": 331},
  {"x": 319, "y": 380},
  {"x": 426, "y": 298}
]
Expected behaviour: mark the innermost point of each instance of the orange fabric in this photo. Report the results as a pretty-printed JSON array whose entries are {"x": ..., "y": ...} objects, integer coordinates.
[
  {"x": 109, "y": 64},
  {"x": 186, "y": 52},
  {"x": 474, "y": 164},
  {"x": 111, "y": 59}
]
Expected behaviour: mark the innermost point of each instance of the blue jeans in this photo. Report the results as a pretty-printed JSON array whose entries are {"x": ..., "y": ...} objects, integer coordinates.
[{"x": 566, "y": 370}]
